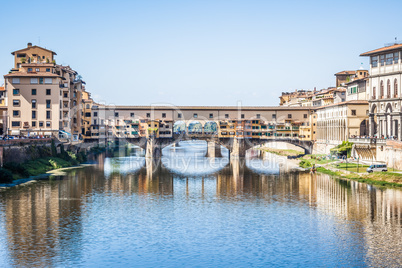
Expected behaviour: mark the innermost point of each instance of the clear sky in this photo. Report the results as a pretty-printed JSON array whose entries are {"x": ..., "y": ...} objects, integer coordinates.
[{"x": 200, "y": 52}]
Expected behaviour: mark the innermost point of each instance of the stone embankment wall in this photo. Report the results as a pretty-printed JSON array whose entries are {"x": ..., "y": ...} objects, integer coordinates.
[
  {"x": 392, "y": 154},
  {"x": 22, "y": 153},
  {"x": 323, "y": 148}
]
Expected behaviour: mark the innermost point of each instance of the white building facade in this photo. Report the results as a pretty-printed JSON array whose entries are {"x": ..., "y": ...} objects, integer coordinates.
[{"x": 385, "y": 91}]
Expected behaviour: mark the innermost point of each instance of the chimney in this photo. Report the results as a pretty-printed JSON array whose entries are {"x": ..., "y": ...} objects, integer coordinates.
[
  {"x": 29, "y": 44},
  {"x": 315, "y": 89}
]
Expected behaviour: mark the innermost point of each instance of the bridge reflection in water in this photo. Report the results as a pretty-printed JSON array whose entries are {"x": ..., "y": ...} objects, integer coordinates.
[{"x": 56, "y": 223}]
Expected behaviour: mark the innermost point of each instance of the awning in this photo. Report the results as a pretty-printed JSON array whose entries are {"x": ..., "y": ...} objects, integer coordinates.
[{"x": 15, "y": 132}]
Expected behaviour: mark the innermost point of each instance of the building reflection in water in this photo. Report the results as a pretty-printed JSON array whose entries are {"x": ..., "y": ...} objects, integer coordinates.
[{"x": 43, "y": 221}]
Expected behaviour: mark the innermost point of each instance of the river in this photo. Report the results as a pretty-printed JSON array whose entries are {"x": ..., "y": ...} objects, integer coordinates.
[{"x": 188, "y": 210}]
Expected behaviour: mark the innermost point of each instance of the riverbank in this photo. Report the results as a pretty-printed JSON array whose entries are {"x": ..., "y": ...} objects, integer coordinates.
[
  {"x": 44, "y": 176},
  {"x": 389, "y": 179},
  {"x": 351, "y": 171},
  {"x": 42, "y": 160}
]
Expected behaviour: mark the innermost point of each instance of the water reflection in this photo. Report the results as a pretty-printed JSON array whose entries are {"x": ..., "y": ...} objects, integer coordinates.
[
  {"x": 188, "y": 159},
  {"x": 123, "y": 213}
]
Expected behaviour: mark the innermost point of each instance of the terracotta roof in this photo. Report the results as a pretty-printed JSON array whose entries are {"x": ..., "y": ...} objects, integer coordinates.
[
  {"x": 346, "y": 72},
  {"x": 383, "y": 49},
  {"x": 31, "y": 74},
  {"x": 344, "y": 103},
  {"x": 2, "y": 88},
  {"x": 13, "y": 53}
]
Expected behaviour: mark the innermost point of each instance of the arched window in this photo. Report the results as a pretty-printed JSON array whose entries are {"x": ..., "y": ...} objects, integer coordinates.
[
  {"x": 395, "y": 88},
  {"x": 374, "y": 93},
  {"x": 388, "y": 89},
  {"x": 382, "y": 90}
]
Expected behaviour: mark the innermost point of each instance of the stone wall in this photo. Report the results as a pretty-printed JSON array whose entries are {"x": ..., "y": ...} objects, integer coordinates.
[
  {"x": 323, "y": 148},
  {"x": 20, "y": 154},
  {"x": 392, "y": 154}
]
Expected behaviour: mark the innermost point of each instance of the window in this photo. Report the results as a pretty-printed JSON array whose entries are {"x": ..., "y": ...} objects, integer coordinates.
[
  {"x": 48, "y": 115},
  {"x": 33, "y": 114},
  {"x": 305, "y": 116},
  {"x": 34, "y": 80},
  {"x": 289, "y": 115},
  {"x": 48, "y": 92},
  {"x": 195, "y": 115},
  {"x": 353, "y": 112},
  {"x": 148, "y": 115},
  {"x": 16, "y": 113},
  {"x": 242, "y": 116},
  {"x": 396, "y": 57},
  {"x": 16, "y": 91},
  {"x": 163, "y": 115},
  {"x": 179, "y": 115},
  {"x": 48, "y": 70},
  {"x": 34, "y": 123},
  {"x": 388, "y": 89},
  {"x": 95, "y": 113},
  {"x": 382, "y": 60},
  {"x": 41, "y": 80},
  {"x": 389, "y": 58},
  {"x": 33, "y": 91},
  {"x": 40, "y": 123},
  {"x": 15, "y": 123},
  {"x": 226, "y": 115},
  {"x": 132, "y": 114},
  {"x": 48, "y": 124},
  {"x": 374, "y": 92},
  {"x": 29, "y": 69},
  {"x": 395, "y": 88},
  {"x": 258, "y": 115},
  {"x": 37, "y": 70},
  {"x": 381, "y": 89},
  {"x": 33, "y": 104},
  {"x": 48, "y": 81},
  {"x": 16, "y": 81},
  {"x": 48, "y": 104},
  {"x": 211, "y": 115},
  {"x": 16, "y": 102},
  {"x": 273, "y": 116}
]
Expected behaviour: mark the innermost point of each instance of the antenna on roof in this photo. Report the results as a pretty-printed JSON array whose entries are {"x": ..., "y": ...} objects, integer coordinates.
[{"x": 396, "y": 42}]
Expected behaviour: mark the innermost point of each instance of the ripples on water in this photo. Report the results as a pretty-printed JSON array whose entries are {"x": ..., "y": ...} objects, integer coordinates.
[{"x": 188, "y": 210}]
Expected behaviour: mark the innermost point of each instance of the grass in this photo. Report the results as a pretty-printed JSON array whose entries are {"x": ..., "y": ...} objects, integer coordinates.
[
  {"x": 313, "y": 159},
  {"x": 388, "y": 179},
  {"x": 43, "y": 165},
  {"x": 282, "y": 152}
]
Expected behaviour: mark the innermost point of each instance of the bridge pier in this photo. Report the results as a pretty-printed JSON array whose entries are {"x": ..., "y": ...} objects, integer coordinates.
[
  {"x": 153, "y": 148},
  {"x": 238, "y": 148},
  {"x": 214, "y": 149}
]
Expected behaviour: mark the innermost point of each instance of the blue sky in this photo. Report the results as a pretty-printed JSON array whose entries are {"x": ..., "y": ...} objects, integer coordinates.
[{"x": 201, "y": 52}]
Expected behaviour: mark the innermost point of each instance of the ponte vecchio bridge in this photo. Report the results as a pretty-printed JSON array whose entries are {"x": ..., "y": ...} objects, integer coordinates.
[{"x": 236, "y": 128}]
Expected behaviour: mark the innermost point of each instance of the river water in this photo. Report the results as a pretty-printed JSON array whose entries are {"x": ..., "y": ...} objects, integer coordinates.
[{"x": 188, "y": 210}]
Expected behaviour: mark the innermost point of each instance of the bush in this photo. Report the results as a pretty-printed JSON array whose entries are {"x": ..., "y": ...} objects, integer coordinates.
[
  {"x": 305, "y": 164},
  {"x": 17, "y": 168},
  {"x": 5, "y": 176}
]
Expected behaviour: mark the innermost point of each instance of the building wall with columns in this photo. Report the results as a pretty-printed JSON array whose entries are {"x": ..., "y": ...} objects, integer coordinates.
[
  {"x": 385, "y": 91},
  {"x": 338, "y": 122}
]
